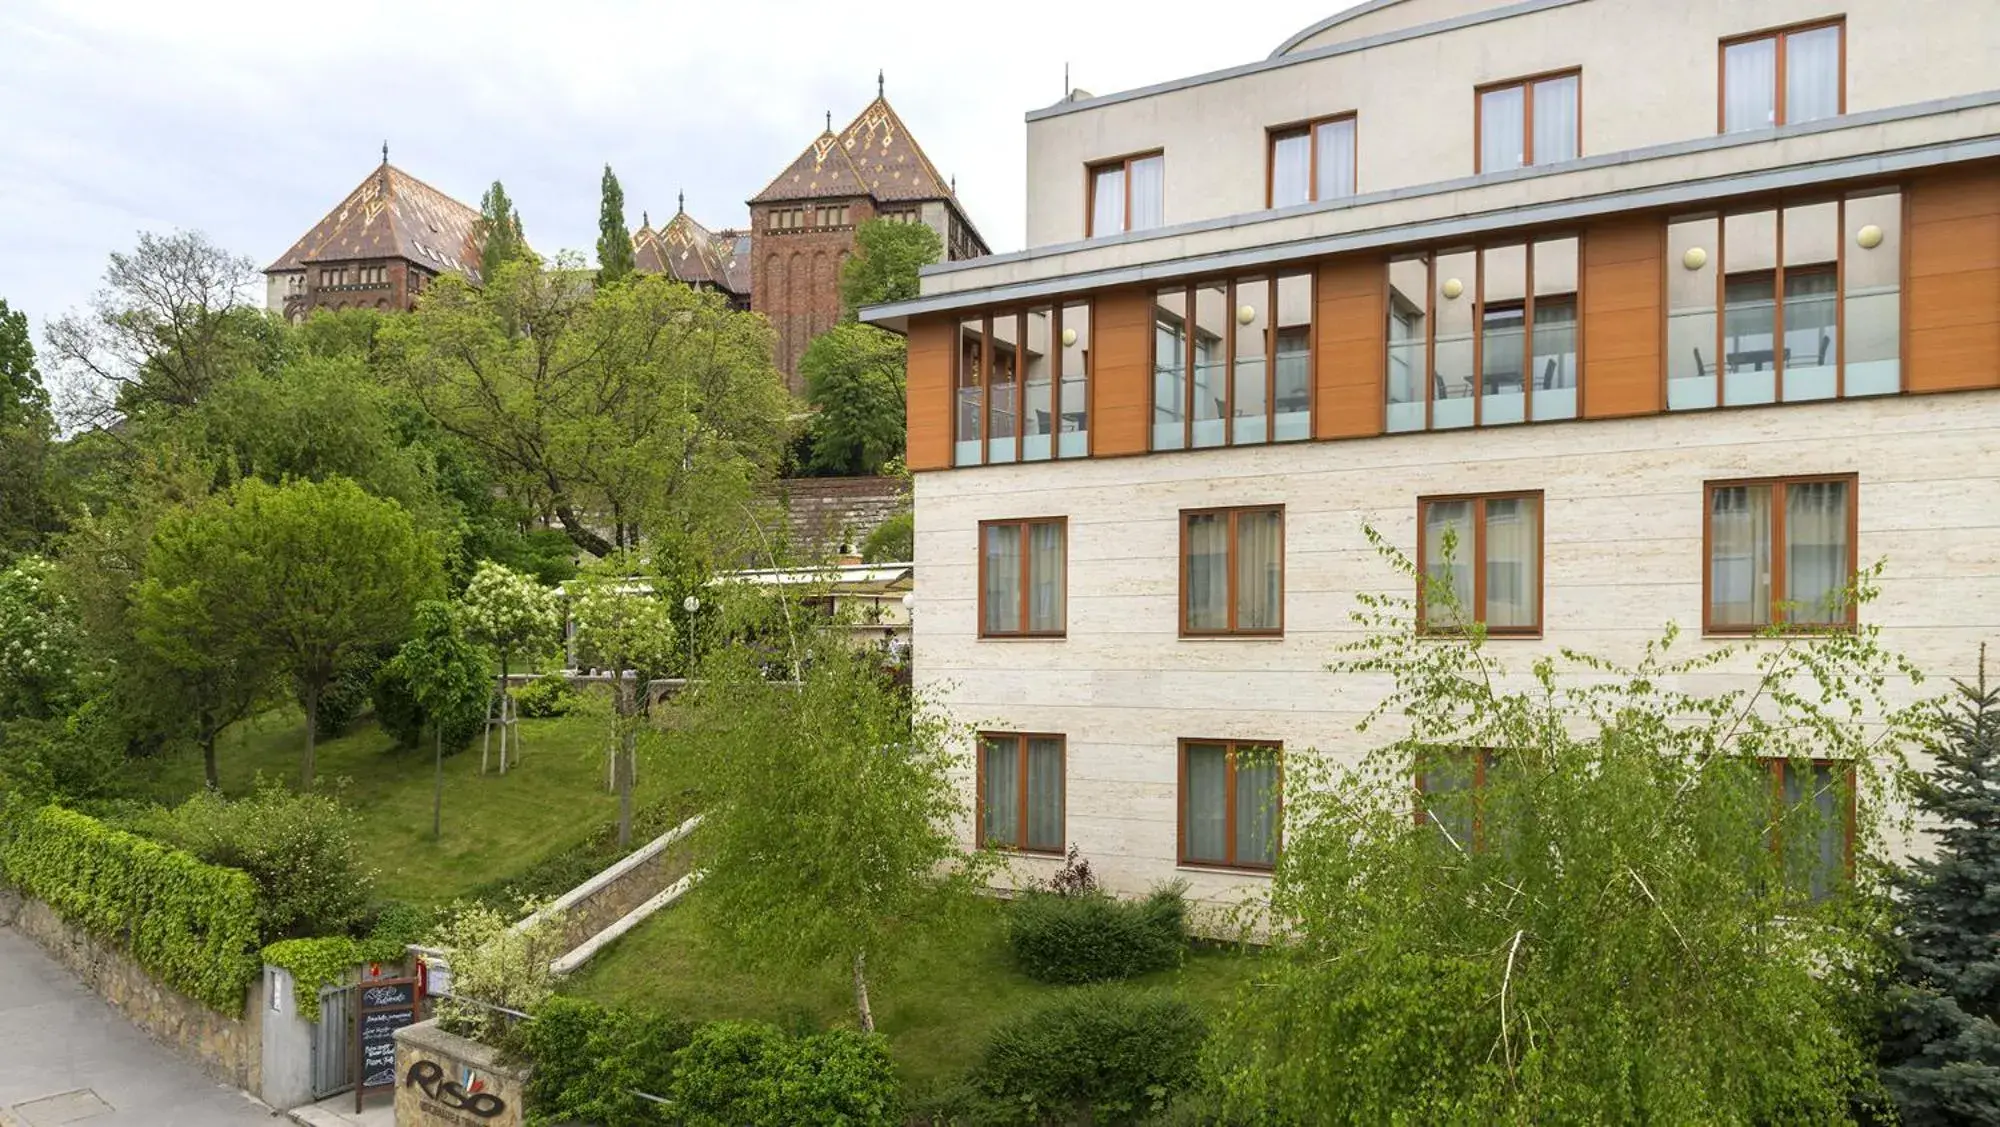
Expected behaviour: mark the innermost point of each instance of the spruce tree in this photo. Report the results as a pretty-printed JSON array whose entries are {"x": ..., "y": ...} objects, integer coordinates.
[
  {"x": 1941, "y": 1044},
  {"x": 500, "y": 225},
  {"x": 614, "y": 242}
]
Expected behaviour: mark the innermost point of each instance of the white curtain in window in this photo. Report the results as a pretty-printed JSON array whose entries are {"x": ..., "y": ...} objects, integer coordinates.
[
  {"x": 1002, "y": 595},
  {"x": 1256, "y": 806},
  {"x": 1208, "y": 571},
  {"x": 1107, "y": 202},
  {"x": 1204, "y": 813},
  {"x": 1260, "y": 592},
  {"x": 1291, "y": 169},
  {"x": 1555, "y": 119},
  {"x": 1739, "y": 583},
  {"x": 1511, "y": 544},
  {"x": 1336, "y": 158},
  {"x": 1045, "y": 794},
  {"x": 1149, "y": 192},
  {"x": 1816, "y": 551},
  {"x": 1816, "y": 839},
  {"x": 1502, "y": 129},
  {"x": 1045, "y": 571},
  {"x": 1451, "y": 564},
  {"x": 1003, "y": 790},
  {"x": 1750, "y": 85},
  {"x": 1812, "y": 75}
]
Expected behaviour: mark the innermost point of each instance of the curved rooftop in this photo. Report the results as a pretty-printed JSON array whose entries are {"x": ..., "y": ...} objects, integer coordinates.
[{"x": 1376, "y": 17}]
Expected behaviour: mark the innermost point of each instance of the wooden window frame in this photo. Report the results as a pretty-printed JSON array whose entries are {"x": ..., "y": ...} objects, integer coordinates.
[
  {"x": 1230, "y": 751},
  {"x": 987, "y": 353},
  {"x": 1020, "y": 740},
  {"x": 1778, "y": 766},
  {"x": 1778, "y": 591},
  {"x": 1482, "y": 763},
  {"x": 1478, "y": 562},
  {"x": 1233, "y": 512},
  {"x": 1024, "y": 524},
  {"x": 1777, "y": 35},
  {"x": 1271, "y": 330},
  {"x": 1526, "y": 83},
  {"x": 1309, "y": 129},
  {"x": 1125, "y": 162}
]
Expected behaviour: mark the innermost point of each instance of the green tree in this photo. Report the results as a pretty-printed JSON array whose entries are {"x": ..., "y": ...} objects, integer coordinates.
[
  {"x": 26, "y": 431},
  {"x": 1941, "y": 1046},
  {"x": 624, "y": 627},
  {"x": 614, "y": 239},
  {"x": 885, "y": 265},
  {"x": 319, "y": 573},
  {"x": 854, "y": 380},
  {"x": 501, "y": 240},
  {"x": 198, "y": 663},
  {"x": 644, "y": 404},
  {"x": 449, "y": 677},
  {"x": 829, "y": 841},
  {"x": 1612, "y": 922},
  {"x": 42, "y": 654},
  {"x": 512, "y": 614}
]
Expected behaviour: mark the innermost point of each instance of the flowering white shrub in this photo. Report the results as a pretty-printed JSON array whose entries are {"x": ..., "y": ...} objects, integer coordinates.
[{"x": 41, "y": 641}]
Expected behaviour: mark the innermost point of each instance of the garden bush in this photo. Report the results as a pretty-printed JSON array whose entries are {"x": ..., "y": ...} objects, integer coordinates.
[
  {"x": 193, "y": 925},
  {"x": 494, "y": 964},
  {"x": 749, "y": 1074},
  {"x": 546, "y": 696},
  {"x": 1099, "y": 1055},
  {"x": 589, "y": 1061},
  {"x": 303, "y": 851},
  {"x": 1094, "y": 937},
  {"x": 402, "y": 718},
  {"x": 347, "y": 696}
]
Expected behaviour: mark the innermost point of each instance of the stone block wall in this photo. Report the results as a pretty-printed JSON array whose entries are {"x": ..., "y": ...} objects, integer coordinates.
[{"x": 443, "y": 1080}]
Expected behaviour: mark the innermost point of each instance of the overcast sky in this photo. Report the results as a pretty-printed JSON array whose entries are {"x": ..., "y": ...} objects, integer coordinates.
[{"x": 249, "y": 121}]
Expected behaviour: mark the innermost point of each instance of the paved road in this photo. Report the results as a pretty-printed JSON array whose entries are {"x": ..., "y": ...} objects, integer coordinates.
[{"x": 56, "y": 1037}]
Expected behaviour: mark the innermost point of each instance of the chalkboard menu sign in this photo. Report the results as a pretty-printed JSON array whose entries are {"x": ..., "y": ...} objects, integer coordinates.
[{"x": 384, "y": 1006}]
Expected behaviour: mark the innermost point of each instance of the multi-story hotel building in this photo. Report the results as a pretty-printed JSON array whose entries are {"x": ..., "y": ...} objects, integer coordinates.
[{"x": 1673, "y": 312}]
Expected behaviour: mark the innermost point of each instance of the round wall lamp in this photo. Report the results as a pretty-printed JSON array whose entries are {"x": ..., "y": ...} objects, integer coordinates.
[
  {"x": 1695, "y": 258},
  {"x": 1245, "y": 314},
  {"x": 1869, "y": 237},
  {"x": 1069, "y": 337},
  {"x": 1453, "y": 287}
]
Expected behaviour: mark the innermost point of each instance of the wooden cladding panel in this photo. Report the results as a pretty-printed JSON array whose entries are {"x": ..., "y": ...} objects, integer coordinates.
[
  {"x": 1953, "y": 287},
  {"x": 1623, "y": 298},
  {"x": 1120, "y": 372},
  {"x": 927, "y": 392},
  {"x": 1350, "y": 347}
]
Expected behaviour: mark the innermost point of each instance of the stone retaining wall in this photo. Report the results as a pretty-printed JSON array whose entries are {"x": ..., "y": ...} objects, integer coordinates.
[
  {"x": 610, "y": 895},
  {"x": 228, "y": 1048}
]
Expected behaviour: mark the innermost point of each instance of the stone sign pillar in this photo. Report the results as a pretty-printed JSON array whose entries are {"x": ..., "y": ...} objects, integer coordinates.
[{"x": 443, "y": 1080}]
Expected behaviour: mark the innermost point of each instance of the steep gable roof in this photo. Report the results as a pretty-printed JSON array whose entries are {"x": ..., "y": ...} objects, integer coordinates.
[
  {"x": 690, "y": 252},
  {"x": 889, "y": 160},
  {"x": 392, "y": 214},
  {"x": 822, "y": 170}
]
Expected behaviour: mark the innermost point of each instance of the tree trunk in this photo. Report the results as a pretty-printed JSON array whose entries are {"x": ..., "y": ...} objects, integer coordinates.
[
  {"x": 437, "y": 789},
  {"x": 628, "y": 749},
  {"x": 312, "y": 736},
  {"x": 208, "y": 734},
  {"x": 580, "y": 534},
  {"x": 861, "y": 992}
]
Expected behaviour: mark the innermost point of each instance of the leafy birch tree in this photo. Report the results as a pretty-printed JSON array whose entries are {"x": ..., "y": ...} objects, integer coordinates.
[{"x": 1585, "y": 891}]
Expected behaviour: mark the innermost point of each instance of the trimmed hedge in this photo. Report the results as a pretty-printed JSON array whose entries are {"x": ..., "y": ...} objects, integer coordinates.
[
  {"x": 1098, "y": 1055},
  {"x": 1093, "y": 937},
  {"x": 191, "y": 924},
  {"x": 590, "y": 1060},
  {"x": 546, "y": 696},
  {"x": 314, "y": 963}
]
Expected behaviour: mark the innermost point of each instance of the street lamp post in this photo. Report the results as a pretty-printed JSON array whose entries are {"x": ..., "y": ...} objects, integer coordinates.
[{"x": 690, "y": 605}]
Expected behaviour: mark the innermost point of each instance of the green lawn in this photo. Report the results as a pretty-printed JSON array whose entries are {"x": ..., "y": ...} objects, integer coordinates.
[
  {"x": 937, "y": 1009},
  {"x": 495, "y": 827}
]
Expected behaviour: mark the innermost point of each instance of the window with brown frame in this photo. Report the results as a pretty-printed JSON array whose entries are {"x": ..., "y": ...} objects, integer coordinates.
[
  {"x": 1233, "y": 571},
  {"x": 1127, "y": 194},
  {"x": 1231, "y": 808},
  {"x": 1529, "y": 121},
  {"x": 1021, "y": 791},
  {"x": 1815, "y": 801},
  {"x": 1782, "y": 77},
  {"x": 1779, "y": 552},
  {"x": 1021, "y": 385},
  {"x": 1232, "y": 362},
  {"x": 1023, "y": 571},
  {"x": 1449, "y": 782},
  {"x": 1493, "y": 567},
  {"x": 1312, "y": 161},
  {"x": 333, "y": 276}
]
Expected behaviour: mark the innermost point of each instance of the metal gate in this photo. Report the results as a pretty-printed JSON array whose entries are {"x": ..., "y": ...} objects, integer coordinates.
[{"x": 333, "y": 1042}]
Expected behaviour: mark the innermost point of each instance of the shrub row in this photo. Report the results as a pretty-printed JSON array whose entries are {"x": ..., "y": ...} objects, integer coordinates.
[
  {"x": 1097, "y": 1055},
  {"x": 590, "y": 1061},
  {"x": 191, "y": 924},
  {"x": 1094, "y": 937}
]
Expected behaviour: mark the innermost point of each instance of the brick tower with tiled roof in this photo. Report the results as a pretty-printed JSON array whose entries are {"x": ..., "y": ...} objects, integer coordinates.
[
  {"x": 804, "y": 220},
  {"x": 377, "y": 249}
]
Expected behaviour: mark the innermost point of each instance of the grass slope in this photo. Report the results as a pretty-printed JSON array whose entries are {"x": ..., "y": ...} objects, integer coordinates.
[
  {"x": 495, "y": 827},
  {"x": 937, "y": 1008}
]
